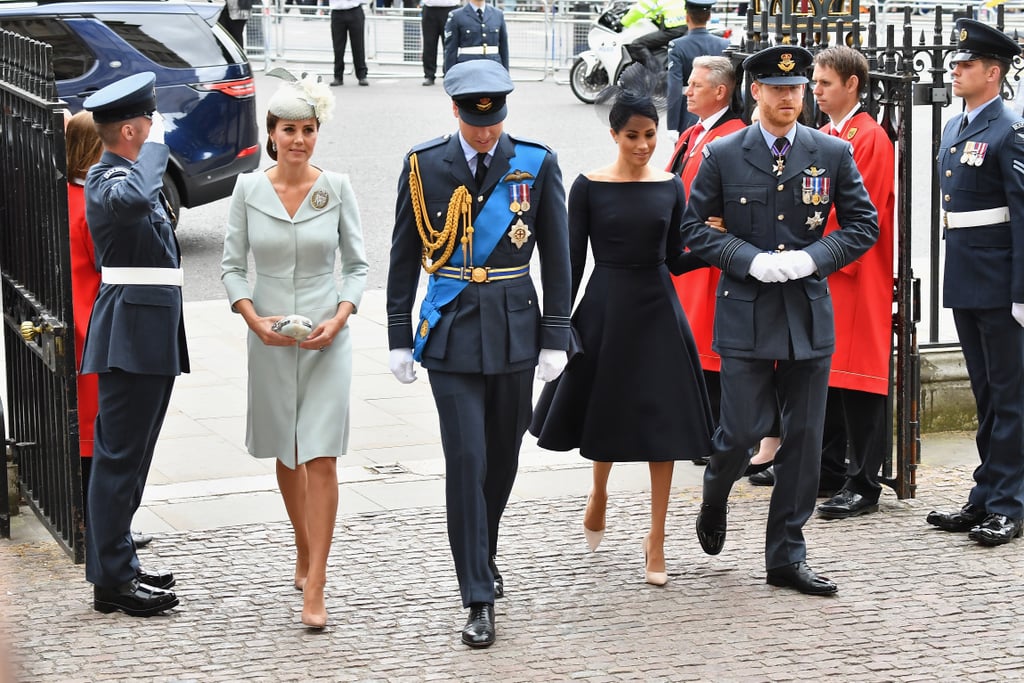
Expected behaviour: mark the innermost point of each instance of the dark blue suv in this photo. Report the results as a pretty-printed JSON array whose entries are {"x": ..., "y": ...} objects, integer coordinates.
[{"x": 204, "y": 84}]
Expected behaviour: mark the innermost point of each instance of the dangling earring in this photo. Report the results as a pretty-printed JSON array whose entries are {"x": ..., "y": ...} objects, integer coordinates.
[{"x": 273, "y": 146}]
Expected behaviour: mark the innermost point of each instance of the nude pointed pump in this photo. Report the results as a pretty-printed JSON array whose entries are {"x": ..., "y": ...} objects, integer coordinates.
[
  {"x": 653, "y": 578},
  {"x": 593, "y": 537}
]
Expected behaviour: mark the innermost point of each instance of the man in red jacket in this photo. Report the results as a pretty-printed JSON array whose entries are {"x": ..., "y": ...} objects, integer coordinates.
[{"x": 855, "y": 420}]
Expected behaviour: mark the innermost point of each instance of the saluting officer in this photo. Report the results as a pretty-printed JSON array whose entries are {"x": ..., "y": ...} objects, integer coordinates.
[
  {"x": 774, "y": 184},
  {"x": 471, "y": 208},
  {"x": 475, "y": 31},
  {"x": 136, "y": 337},
  {"x": 981, "y": 174}
]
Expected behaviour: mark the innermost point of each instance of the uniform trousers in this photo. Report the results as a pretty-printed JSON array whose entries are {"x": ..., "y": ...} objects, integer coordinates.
[
  {"x": 434, "y": 19},
  {"x": 345, "y": 24},
  {"x": 993, "y": 347},
  {"x": 483, "y": 419},
  {"x": 751, "y": 390},
  {"x": 131, "y": 412},
  {"x": 853, "y": 444}
]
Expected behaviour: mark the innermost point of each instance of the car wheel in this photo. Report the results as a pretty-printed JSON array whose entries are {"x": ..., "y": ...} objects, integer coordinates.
[{"x": 173, "y": 197}]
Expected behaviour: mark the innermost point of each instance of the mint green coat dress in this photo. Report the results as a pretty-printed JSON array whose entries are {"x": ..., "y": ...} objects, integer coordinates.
[{"x": 298, "y": 399}]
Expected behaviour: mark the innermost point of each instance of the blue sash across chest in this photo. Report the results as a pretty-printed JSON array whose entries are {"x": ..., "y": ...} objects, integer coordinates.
[{"x": 491, "y": 223}]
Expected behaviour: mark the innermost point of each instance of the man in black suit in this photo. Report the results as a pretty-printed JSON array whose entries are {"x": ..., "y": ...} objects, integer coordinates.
[
  {"x": 981, "y": 174},
  {"x": 774, "y": 184},
  {"x": 471, "y": 208},
  {"x": 136, "y": 337}
]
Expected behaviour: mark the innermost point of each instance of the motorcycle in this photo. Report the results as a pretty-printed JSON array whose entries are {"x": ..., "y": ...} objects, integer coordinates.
[
  {"x": 596, "y": 68},
  {"x": 611, "y": 51}
]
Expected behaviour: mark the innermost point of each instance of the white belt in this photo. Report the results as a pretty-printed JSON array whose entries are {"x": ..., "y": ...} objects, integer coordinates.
[
  {"x": 143, "y": 276},
  {"x": 477, "y": 50},
  {"x": 973, "y": 219}
]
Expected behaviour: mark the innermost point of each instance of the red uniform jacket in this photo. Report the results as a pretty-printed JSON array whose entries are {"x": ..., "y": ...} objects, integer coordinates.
[
  {"x": 696, "y": 289},
  {"x": 85, "y": 283},
  {"x": 862, "y": 291}
]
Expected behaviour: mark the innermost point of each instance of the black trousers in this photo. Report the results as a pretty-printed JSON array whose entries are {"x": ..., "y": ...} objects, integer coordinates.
[
  {"x": 236, "y": 27},
  {"x": 993, "y": 346},
  {"x": 751, "y": 388},
  {"x": 853, "y": 442},
  {"x": 483, "y": 419},
  {"x": 349, "y": 24},
  {"x": 131, "y": 413},
  {"x": 433, "y": 22}
]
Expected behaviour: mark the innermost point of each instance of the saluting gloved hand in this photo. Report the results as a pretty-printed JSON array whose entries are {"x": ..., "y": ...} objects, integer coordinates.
[
  {"x": 550, "y": 364},
  {"x": 796, "y": 264},
  {"x": 766, "y": 267},
  {"x": 156, "y": 131},
  {"x": 401, "y": 365},
  {"x": 1018, "y": 313}
]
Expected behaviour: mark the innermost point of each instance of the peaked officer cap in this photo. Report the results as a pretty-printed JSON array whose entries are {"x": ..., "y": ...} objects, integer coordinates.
[
  {"x": 478, "y": 88},
  {"x": 700, "y": 4},
  {"x": 976, "y": 40},
  {"x": 124, "y": 99},
  {"x": 779, "y": 65}
]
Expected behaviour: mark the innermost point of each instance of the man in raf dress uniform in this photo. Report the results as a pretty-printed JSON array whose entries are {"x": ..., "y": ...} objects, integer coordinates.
[
  {"x": 981, "y": 174},
  {"x": 774, "y": 184},
  {"x": 136, "y": 337},
  {"x": 475, "y": 31},
  {"x": 471, "y": 208},
  {"x": 681, "y": 53},
  {"x": 855, "y": 413}
]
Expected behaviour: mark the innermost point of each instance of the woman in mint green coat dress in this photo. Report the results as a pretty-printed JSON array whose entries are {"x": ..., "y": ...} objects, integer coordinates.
[{"x": 294, "y": 219}]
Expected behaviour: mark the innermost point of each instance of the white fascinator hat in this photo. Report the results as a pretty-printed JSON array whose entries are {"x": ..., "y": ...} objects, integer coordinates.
[{"x": 301, "y": 98}]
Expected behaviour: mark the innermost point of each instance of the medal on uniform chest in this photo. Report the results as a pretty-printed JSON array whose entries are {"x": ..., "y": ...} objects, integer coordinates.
[
  {"x": 815, "y": 186},
  {"x": 974, "y": 153},
  {"x": 319, "y": 199},
  {"x": 514, "y": 195},
  {"x": 519, "y": 233},
  {"x": 524, "y": 193},
  {"x": 814, "y": 222},
  {"x": 780, "y": 158}
]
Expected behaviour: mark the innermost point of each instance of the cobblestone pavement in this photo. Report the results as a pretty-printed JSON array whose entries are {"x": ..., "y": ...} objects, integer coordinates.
[{"x": 915, "y": 603}]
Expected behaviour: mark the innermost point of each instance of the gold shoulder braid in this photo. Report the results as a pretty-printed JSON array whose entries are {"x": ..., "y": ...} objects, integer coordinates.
[{"x": 460, "y": 209}]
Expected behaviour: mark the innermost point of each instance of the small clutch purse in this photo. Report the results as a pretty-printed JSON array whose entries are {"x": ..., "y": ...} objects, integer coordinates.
[{"x": 298, "y": 327}]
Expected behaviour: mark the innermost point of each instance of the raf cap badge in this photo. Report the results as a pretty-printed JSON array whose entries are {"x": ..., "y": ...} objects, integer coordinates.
[{"x": 786, "y": 63}]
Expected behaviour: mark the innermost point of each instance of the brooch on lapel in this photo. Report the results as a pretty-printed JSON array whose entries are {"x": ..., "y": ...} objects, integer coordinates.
[{"x": 319, "y": 199}]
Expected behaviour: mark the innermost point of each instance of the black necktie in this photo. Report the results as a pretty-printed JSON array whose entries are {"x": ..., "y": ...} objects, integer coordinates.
[
  {"x": 481, "y": 169},
  {"x": 963, "y": 124},
  {"x": 480, "y": 13}
]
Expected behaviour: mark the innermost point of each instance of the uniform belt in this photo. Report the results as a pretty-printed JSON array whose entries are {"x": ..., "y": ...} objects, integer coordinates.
[
  {"x": 143, "y": 276},
  {"x": 482, "y": 274},
  {"x": 974, "y": 219},
  {"x": 478, "y": 50}
]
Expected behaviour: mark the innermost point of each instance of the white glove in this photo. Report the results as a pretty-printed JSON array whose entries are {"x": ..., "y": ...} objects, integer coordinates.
[
  {"x": 1018, "y": 313},
  {"x": 550, "y": 364},
  {"x": 400, "y": 364},
  {"x": 156, "y": 131},
  {"x": 796, "y": 264},
  {"x": 766, "y": 267}
]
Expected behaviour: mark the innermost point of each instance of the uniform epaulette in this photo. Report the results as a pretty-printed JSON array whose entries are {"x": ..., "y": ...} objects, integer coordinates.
[
  {"x": 528, "y": 141},
  {"x": 436, "y": 142}
]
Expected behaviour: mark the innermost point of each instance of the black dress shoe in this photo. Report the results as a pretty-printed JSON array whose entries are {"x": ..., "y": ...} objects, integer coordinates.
[
  {"x": 765, "y": 477},
  {"x": 479, "y": 628},
  {"x": 337, "y": 81},
  {"x": 753, "y": 469},
  {"x": 158, "y": 579},
  {"x": 711, "y": 523},
  {"x": 428, "y": 81},
  {"x": 140, "y": 539},
  {"x": 499, "y": 583},
  {"x": 363, "y": 81},
  {"x": 701, "y": 461},
  {"x": 801, "y": 577},
  {"x": 996, "y": 530},
  {"x": 133, "y": 598},
  {"x": 967, "y": 518},
  {"x": 845, "y": 504}
]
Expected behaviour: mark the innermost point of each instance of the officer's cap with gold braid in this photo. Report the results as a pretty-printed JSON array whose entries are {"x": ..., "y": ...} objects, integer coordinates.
[
  {"x": 976, "y": 40},
  {"x": 478, "y": 87},
  {"x": 779, "y": 65}
]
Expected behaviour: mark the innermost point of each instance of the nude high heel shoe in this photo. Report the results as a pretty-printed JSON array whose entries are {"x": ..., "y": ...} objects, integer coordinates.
[
  {"x": 653, "y": 578},
  {"x": 593, "y": 536}
]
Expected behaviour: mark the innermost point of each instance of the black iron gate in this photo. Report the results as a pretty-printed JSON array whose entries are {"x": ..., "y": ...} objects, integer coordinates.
[{"x": 36, "y": 288}]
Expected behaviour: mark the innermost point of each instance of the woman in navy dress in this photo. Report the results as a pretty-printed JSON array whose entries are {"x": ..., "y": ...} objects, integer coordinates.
[{"x": 636, "y": 392}]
